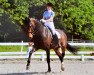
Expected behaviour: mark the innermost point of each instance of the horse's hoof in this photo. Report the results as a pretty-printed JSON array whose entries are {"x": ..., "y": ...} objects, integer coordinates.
[
  {"x": 49, "y": 71},
  {"x": 62, "y": 67},
  {"x": 27, "y": 67}
]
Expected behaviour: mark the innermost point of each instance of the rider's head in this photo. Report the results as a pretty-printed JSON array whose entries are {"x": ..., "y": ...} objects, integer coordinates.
[{"x": 49, "y": 6}]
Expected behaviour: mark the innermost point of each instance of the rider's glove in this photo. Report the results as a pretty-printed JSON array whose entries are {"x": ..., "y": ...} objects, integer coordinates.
[{"x": 42, "y": 20}]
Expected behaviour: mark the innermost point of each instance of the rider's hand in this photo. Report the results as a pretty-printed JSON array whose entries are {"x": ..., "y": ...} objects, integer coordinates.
[{"x": 42, "y": 20}]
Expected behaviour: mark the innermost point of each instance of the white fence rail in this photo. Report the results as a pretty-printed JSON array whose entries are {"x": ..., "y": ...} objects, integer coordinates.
[
  {"x": 42, "y": 55},
  {"x": 74, "y": 44}
]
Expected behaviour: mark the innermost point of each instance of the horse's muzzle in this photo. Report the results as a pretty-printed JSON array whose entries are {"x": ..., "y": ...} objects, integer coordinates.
[{"x": 30, "y": 35}]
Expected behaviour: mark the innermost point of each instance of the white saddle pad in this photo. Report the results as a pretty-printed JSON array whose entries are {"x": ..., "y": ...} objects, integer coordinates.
[{"x": 58, "y": 34}]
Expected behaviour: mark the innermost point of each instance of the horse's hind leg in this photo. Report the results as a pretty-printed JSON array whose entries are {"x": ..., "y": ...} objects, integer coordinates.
[
  {"x": 58, "y": 54},
  {"x": 29, "y": 59},
  {"x": 62, "y": 62},
  {"x": 61, "y": 57}
]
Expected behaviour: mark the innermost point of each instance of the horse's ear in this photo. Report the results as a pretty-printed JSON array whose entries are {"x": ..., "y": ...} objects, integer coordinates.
[{"x": 32, "y": 20}]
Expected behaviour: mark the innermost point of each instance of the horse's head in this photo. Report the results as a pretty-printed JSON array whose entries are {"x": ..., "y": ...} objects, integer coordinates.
[
  {"x": 32, "y": 21},
  {"x": 31, "y": 27}
]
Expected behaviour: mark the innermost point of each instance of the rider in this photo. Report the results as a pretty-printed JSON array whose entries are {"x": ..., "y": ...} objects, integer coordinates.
[{"x": 48, "y": 16}]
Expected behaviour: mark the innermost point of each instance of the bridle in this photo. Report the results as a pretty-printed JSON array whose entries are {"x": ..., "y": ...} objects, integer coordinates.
[
  {"x": 31, "y": 27},
  {"x": 33, "y": 32}
]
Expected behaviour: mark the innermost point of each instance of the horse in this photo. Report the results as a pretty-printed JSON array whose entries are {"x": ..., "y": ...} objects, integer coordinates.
[{"x": 42, "y": 38}]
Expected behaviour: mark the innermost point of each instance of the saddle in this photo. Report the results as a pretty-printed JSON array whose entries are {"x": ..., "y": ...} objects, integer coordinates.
[{"x": 55, "y": 38}]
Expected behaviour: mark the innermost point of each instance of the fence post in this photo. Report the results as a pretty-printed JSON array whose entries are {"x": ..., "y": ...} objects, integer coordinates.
[
  {"x": 33, "y": 55},
  {"x": 42, "y": 57},
  {"x": 22, "y": 46},
  {"x": 84, "y": 44},
  {"x": 82, "y": 57}
]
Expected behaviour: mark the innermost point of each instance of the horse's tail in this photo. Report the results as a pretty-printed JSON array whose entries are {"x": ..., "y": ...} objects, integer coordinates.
[{"x": 71, "y": 49}]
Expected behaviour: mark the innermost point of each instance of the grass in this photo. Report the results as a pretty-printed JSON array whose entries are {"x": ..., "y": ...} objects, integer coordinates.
[
  {"x": 11, "y": 48},
  {"x": 18, "y": 49},
  {"x": 85, "y": 48},
  {"x": 14, "y": 49}
]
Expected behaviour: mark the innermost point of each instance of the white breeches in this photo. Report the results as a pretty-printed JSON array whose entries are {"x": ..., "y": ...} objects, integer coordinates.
[{"x": 51, "y": 26}]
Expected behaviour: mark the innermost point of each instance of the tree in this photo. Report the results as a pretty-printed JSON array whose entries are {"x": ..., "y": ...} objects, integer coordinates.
[
  {"x": 75, "y": 16},
  {"x": 16, "y": 9}
]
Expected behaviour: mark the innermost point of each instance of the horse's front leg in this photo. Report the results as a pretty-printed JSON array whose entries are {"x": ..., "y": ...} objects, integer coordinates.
[
  {"x": 48, "y": 60},
  {"x": 29, "y": 59}
]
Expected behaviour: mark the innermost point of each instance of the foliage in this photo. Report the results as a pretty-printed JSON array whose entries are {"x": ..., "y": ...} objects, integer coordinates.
[
  {"x": 75, "y": 16},
  {"x": 16, "y": 9}
]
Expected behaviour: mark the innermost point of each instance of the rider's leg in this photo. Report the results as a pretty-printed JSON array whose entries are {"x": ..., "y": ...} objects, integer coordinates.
[{"x": 52, "y": 28}]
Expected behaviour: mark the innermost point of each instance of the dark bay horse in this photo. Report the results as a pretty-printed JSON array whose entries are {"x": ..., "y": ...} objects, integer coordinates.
[{"x": 41, "y": 36}]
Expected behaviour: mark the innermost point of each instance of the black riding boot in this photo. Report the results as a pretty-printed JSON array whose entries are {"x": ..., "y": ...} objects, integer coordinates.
[{"x": 55, "y": 40}]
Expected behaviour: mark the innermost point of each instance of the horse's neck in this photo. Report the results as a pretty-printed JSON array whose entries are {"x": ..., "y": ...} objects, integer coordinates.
[
  {"x": 42, "y": 30},
  {"x": 39, "y": 28}
]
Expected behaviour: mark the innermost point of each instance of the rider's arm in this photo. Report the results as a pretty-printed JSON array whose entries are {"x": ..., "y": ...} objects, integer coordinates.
[{"x": 50, "y": 19}]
